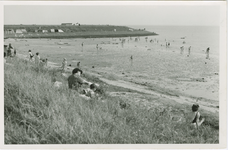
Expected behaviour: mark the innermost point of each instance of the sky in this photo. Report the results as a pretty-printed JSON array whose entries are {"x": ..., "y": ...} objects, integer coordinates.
[{"x": 187, "y": 15}]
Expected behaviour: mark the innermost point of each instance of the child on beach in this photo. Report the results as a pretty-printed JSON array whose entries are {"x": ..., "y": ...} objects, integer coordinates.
[
  {"x": 78, "y": 64},
  {"x": 43, "y": 62},
  {"x": 91, "y": 92},
  {"x": 37, "y": 59},
  {"x": 189, "y": 50},
  {"x": 30, "y": 55},
  {"x": 195, "y": 116},
  {"x": 64, "y": 64}
]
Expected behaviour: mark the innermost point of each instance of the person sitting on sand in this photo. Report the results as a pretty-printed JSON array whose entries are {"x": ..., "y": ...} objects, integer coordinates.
[
  {"x": 91, "y": 92},
  {"x": 64, "y": 64},
  {"x": 195, "y": 119},
  {"x": 75, "y": 81}
]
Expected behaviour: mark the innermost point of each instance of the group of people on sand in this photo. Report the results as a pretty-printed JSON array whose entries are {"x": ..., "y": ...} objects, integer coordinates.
[
  {"x": 9, "y": 51},
  {"x": 36, "y": 58},
  {"x": 64, "y": 65},
  {"x": 76, "y": 82},
  {"x": 189, "y": 51}
]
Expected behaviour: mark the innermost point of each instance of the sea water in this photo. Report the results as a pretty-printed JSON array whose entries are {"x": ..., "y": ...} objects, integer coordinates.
[{"x": 198, "y": 37}]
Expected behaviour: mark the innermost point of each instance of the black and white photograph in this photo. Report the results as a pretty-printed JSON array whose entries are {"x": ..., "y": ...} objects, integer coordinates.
[{"x": 132, "y": 73}]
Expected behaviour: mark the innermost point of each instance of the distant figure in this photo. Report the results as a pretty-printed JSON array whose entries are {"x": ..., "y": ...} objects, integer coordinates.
[
  {"x": 181, "y": 49},
  {"x": 78, "y": 64},
  {"x": 136, "y": 39},
  {"x": 122, "y": 43},
  {"x": 131, "y": 59},
  {"x": 189, "y": 51},
  {"x": 37, "y": 59},
  {"x": 207, "y": 53},
  {"x": 82, "y": 46},
  {"x": 64, "y": 64},
  {"x": 146, "y": 38},
  {"x": 97, "y": 47},
  {"x": 195, "y": 118},
  {"x": 30, "y": 55}
]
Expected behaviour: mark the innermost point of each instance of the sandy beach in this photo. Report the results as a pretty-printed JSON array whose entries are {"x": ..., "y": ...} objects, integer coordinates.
[{"x": 153, "y": 66}]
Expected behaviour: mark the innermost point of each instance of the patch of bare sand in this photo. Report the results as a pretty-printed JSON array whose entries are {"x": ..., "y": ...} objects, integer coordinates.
[{"x": 179, "y": 99}]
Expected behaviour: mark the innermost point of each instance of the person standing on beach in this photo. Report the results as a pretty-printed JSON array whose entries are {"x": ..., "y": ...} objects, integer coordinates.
[
  {"x": 30, "y": 55},
  {"x": 181, "y": 49},
  {"x": 37, "y": 59},
  {"x": 82, "y": 46},
  {"x": 122, "y": 43},
  {"x": 207, "y": 53},
  {"x": 78, "y": 64},
  {"x": 189, "y": 51},
  {"x": 64, "y": 64},
  {"x": 97, "y": 47},
  {"x": 131, "y": 59}
]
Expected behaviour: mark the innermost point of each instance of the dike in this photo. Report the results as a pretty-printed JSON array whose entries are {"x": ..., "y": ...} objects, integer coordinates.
[{"x": 72, "y": 31}]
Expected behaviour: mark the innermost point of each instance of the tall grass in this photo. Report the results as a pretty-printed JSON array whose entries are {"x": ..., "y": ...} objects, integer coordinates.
[{"x": 37, "y": 113}]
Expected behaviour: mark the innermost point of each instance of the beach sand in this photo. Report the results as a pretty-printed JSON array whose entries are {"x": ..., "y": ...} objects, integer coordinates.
[{"x": 153, "y": 66}]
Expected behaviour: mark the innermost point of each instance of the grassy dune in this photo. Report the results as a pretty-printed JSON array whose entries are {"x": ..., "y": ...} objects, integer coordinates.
[{"x": 37, "y": 113}]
